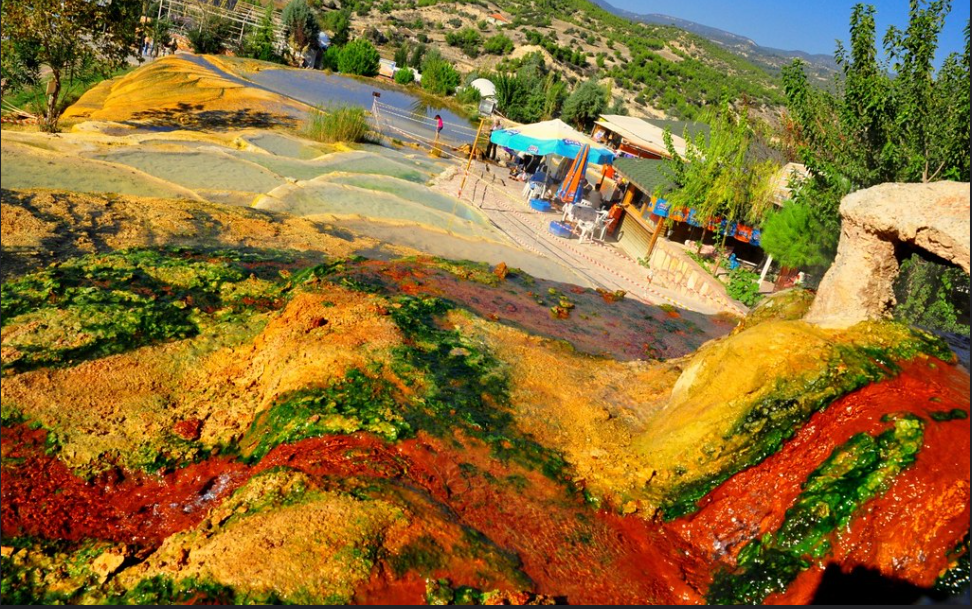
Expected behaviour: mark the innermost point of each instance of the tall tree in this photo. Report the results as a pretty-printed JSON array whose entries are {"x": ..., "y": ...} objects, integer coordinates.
[
  {"x": 66, "y": 34},
  {"x": 727, "y": 174},
  {"x": 585, "y": 104},
  {"x": 885, "y": 121}
]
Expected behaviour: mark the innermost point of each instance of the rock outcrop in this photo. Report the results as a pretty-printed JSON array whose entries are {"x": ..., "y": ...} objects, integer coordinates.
[{"x": 881, "y": 225}]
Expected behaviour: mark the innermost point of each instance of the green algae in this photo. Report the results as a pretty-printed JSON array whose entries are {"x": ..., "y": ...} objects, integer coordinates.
[
  {"x": 955, "y": 580},
  {"x": 464, "y": 386},
  {"x": 855, "y": 472},
  {"x": 773, "y": 419},
  {"x": 46, "y": 572},
  {"x": 955, "y": 414},
  {"x": 162, "y": 590},
  {"x": 355, "y": 402},
  {"x": 423, "y": 556},
  {"x": 99, "y": 305}
]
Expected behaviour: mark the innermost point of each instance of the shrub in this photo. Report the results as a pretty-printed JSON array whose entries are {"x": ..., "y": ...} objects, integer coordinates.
[
  {"x": 744, "y": 287},
  {"x": 405, "y": 76},
  {"x": 500, "y": 44},
  {"x": 331, "y": 58},
  {"x": 340, "y": 124},
  {"x": 359, "y": 57},
  {"x": 467, "y": 39},
  {"x": 469, "y": 95}
]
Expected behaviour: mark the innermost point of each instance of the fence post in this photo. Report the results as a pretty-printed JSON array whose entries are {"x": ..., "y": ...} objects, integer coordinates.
[{"x": 472, "y": 151}]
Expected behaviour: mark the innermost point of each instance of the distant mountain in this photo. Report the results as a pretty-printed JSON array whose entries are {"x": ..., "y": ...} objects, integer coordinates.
[{"x": 822, "y": 66}]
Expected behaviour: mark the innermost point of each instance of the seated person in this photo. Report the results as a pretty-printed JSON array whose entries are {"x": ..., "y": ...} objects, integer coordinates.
[
  {"x": 595, "y": 199},
  {"x": 540, "y": 175}
]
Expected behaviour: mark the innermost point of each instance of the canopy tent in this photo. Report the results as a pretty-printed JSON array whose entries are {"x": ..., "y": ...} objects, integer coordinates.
[{"x": 551, "y": 137}]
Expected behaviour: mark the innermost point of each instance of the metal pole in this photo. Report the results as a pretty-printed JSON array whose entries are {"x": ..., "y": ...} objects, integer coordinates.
[
  {"x": 472, "y": 151},
  {"x": 769, "y": 260}
]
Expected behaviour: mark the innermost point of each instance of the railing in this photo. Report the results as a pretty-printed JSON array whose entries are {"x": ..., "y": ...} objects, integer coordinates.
[{"x": 243, "y": 17}]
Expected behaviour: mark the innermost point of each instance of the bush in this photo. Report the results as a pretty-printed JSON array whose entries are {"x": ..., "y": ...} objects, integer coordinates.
[
  {"x": 438, "y": 75},
  {"x": 744, "y": 287},
  {"x": 500, "y": 44},
  {"x": 404, "y": 76},
  {"x": 340, "y": 124},
  {"x": 467, "y": 39},
  {"x": 359, "y": 57},
  {"x": 331, "y": 59}
]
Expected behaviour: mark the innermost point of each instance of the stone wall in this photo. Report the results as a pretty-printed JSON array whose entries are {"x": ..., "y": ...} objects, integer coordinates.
[{"x": 877, "y": 223}]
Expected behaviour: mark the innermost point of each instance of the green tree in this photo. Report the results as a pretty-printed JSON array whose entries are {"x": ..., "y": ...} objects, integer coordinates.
[
  {"x": 927, "y": 294},
  {"x": 339, "y": 24},
  {"x": 438, "y": 75},
  {"x": 65, "y": 34},
  {"x": 209, "y": 33},
  {"x": 300, "y": 25},
  {"x": 585, "y": 105},
  {"x": 897, "y": 122},
  {"x": 359, "y": 57},
  {"x": 401, "y": 55},
  {"x": 500, "y": 44},
  {"x": 727, "y": 175},
  {"x": 417, "y": 56},
  {"x": 263, "y": 42},
  {"x": 160, "y": 35}
]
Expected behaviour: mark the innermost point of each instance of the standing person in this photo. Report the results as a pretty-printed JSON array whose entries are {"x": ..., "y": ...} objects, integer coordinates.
[
  {"x": 607, "y": 173},
  {"x": 491, "y": 146},
  {"x": 438, "y": 126}
]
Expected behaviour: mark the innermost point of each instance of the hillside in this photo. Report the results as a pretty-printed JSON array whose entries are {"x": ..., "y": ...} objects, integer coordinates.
[
  {"x": 820, "y": 66},
  {"x": 654, "y": 70}
]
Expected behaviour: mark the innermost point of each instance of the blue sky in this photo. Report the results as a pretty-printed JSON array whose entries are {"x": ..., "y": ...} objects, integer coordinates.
[{"x": 805, "y": 25}]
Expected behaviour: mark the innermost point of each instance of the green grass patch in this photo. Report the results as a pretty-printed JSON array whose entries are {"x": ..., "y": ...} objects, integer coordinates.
[
  {"x": 338, "y": 124},
  {"x": 855, "y": 472}
]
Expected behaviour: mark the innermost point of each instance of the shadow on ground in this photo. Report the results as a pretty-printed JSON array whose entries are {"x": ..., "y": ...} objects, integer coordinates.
[{"x": 193, "y": 116}]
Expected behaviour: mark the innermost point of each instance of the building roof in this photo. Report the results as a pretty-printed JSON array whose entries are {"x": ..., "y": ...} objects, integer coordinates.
[
  {"x": 647, "y": 175},
  {"x": 499, "y": 17},
  {"x": 641, "y": 133}
]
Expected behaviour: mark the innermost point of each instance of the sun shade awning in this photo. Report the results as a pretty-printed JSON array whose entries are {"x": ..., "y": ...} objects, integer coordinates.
[{"x": 551, "y": 137}]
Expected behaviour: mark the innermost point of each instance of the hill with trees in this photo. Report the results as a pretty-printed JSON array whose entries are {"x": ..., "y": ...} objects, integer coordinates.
[{"x": 644, "y": 69}]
